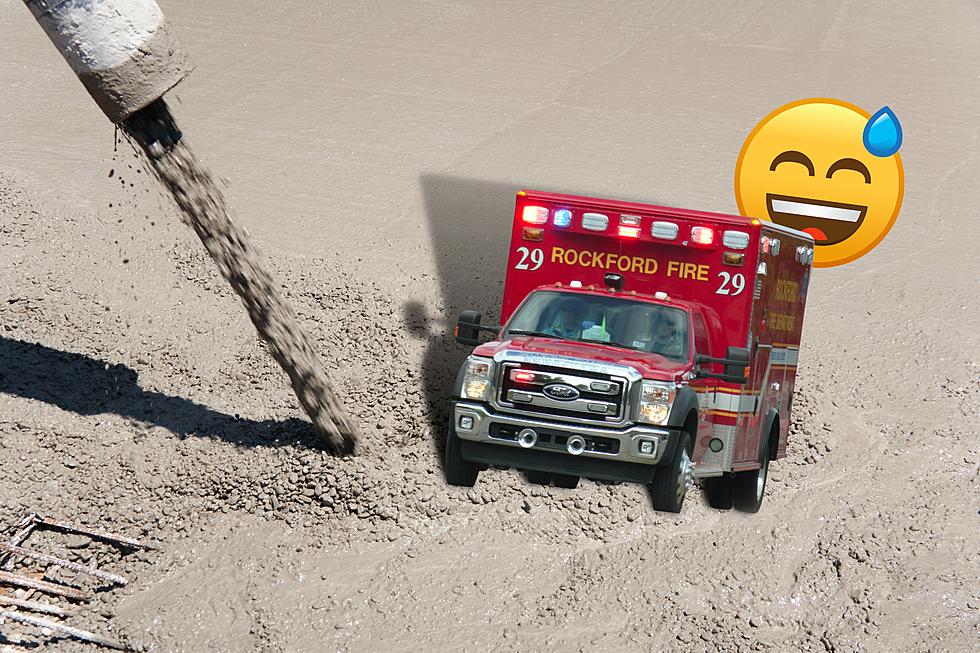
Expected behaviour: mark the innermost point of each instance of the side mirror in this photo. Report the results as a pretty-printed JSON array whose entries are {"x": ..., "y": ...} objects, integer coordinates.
[
  {"x": 738, "y": 360},
  {"x": 468, "y": 328},
  {"x": 735, "y": 361}
]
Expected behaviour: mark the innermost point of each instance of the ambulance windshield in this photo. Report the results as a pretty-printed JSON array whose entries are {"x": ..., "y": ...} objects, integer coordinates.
[{"x": 614, "y": 321}]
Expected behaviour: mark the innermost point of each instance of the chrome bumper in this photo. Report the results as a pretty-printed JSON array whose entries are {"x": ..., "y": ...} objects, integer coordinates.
[{"x": 629, "y": 437}]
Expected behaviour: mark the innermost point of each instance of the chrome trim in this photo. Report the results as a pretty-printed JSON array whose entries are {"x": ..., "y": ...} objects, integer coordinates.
[
  {"x": 556, "y": 360},
  {"x": 629, "y": 437},
  {"x": 628, "y": 377},
  {"x": 583, "y": 406},
  {"x": 580, "y": 383}
]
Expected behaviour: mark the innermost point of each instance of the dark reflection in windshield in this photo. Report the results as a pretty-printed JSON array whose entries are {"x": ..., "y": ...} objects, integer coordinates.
[{"x": 615, "y": 321}]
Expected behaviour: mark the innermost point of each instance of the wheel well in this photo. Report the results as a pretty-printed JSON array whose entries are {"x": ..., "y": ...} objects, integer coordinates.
[
  {"x": 691, "y": 425},
  {"x": 773, "y": 439}
]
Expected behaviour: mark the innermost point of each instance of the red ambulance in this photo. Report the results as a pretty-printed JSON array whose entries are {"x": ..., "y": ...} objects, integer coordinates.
[{"x": 637, "y": 343}]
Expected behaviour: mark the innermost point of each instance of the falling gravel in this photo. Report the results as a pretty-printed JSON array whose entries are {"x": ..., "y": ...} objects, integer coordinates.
[{"x": 203, "y": 208}]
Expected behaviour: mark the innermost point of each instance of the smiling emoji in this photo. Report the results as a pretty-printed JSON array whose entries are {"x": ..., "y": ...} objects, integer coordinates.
[{"x": 828, "y": 168}]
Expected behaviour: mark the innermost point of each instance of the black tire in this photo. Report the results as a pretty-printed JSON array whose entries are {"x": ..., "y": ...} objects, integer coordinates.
[
  {"x": 536, "y": 477},
  {"x": 670, "y": 485},
  {"x": 566, "y": 481},
  {"x": 720, "y": 492},
  {"x": 458, "y": 471},
  {"x": 750, "y": 487}
]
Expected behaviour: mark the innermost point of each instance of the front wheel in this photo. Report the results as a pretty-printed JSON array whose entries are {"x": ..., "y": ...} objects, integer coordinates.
[
  {"x": 458, "y": 471},
  {"x": 672, "y": 482}
]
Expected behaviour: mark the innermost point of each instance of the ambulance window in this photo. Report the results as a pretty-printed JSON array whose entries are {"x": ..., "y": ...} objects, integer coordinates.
[{"x": 700, "y": 335}]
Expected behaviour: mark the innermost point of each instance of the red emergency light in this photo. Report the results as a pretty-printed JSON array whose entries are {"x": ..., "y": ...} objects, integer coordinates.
[
  {"x": 522, "y": 376},
  {"x": 702, "y": 235},
  {"x": 535, "y": 214}
]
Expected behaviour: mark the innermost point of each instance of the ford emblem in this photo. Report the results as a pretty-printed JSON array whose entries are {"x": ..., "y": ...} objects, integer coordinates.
[{"x": 561, "y": 392}]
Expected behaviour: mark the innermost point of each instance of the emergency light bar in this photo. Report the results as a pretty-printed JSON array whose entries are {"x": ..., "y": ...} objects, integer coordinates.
[
  {"x": 664, "y": 230},
  {"x": 702, "y": 235},
  {"x": 593, "y": 221},
  {"x": 539, "y": 217},
  {"x": 563, "y": 218},
  {"x": 735, "y": 239},
  {"x": 535, "y": 214}
]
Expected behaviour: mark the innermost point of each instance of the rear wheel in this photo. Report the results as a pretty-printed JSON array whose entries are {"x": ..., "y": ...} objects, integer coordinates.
[
  {"x": 672, "y": 482},
  {"x": 566, "y": 481},
  {"x": 458, "y": 471},
  {"x": 720, "y": 492},
  {"x": 750, "y": 487}
]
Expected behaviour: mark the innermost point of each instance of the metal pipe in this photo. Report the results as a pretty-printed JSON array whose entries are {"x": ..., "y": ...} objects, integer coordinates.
[
  {"x": 35, "y": 606},
  {"x": 64, "y": 564},
  {"x": 77, "y": 633},
  {"x": 24, "y": 529},
  {"x": 112, "y": 538},
  {"x": 16, "y": 580},
  {"x": 123, "y": 51}
]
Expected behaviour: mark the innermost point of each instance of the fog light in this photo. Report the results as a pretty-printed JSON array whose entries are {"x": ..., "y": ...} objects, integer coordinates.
[
  {"x": 716, "y": 445},
  {"x": 466, "y": 422},
  {"x": 647, "y": 447},
  {"x": 575, "y": 445},
  {"x": 527, "y": 438}
]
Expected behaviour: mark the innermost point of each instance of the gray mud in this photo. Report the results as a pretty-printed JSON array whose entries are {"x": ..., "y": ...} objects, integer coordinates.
[{"x": 374, "y": 152}]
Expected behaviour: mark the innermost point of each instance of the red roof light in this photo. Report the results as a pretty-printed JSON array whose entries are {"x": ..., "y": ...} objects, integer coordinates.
[
  {"x": 702, "y": 235},
  {"x": 535, "y": 214}
]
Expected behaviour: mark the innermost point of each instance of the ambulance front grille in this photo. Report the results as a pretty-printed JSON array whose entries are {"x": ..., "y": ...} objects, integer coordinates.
[{"x": 598, "y": 398}]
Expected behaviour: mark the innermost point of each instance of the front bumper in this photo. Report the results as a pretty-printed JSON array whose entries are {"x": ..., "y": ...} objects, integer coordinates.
[{"x": 613, "y": 454}]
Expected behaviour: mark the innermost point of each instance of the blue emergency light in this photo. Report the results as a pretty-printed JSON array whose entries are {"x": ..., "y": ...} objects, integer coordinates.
[{"x": 562, "y": 218}]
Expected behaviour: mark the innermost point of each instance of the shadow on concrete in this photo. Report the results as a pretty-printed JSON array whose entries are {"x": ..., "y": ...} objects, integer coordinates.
[
  {"x": 89, "y": 386},
  {"x": 469, "y": 227}
]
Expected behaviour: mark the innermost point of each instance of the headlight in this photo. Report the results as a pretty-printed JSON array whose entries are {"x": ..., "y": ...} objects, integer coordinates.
[
  {"x": 476, "y": 379},
  {"x": 655, "y": 402}
]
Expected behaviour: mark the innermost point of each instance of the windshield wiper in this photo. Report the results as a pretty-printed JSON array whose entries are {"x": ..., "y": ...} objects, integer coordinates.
[
  {"x": 610, "y": 343},
  {"x": 526, "y": 332}
]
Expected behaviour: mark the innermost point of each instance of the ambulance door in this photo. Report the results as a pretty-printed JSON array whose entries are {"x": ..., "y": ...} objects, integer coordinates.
[{"x": 704, "y": 387}]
